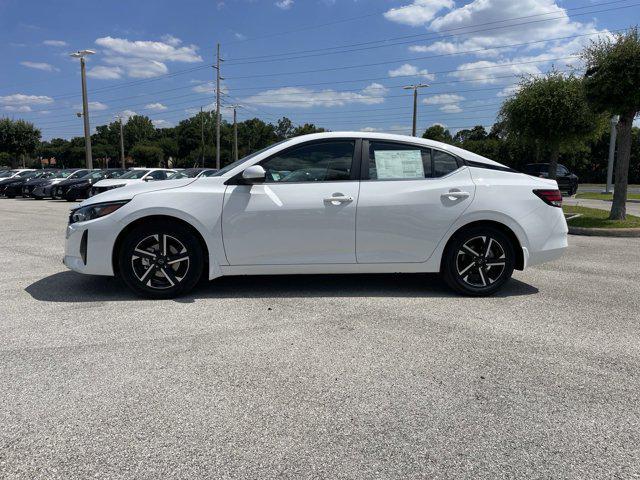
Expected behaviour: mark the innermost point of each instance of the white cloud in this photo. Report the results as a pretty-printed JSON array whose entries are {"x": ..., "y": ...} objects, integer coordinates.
[
  {"x": 418, "y": 13},
  {"x": 18, "y": 99},
  {"x": 500, "y": 14},
  {"x": 408, "y": 70},
  {"x": 443, "y": 99},
  {"x": 161, "y": 123},
  {"x": 138, "y": 67},
  {"x": 102, "y": 72},
  {"x": 450, "y": 108},
  {"x": 142, "y": 58},
  {"x": 209, "y": 88},
  {"x": 508, "y": 91},
  {"x": 158, "y": 107},
  {"x": 485, "y": 71},
  {"x": 284, "y": 4},
  {"x": 127, "y": 114},
  {"x": 294, "y": 97},
  {"x": 239, "y": 36},
  {"x": 21, "y": 108},
  {"x": 93, "y": 106},
  {"x": 47, "y": 67},
  {"x": 55, "y": 43}
]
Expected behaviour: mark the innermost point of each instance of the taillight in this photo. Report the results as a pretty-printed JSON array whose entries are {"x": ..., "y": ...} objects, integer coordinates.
[{"x": 550, "y": 197}]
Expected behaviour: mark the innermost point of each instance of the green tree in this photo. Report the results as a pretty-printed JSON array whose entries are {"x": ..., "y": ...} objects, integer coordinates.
[
  {"x": 612, "y": 83},
  {"x": 18, "y": 138},
  {"x": 551, "y": 111},
  {"x": 284, "y": 128},
  {"x": 138, "y": 129},
  {"x": 147, "y": 155},
  {"x": 477, "y": 133},
  {"x": 306, "y": 129},
  {"x": 438, "y": 133}
]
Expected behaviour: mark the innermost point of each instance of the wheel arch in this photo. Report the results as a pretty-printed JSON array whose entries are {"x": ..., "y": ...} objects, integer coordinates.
[
  {"x": 158, "y": 218},
  {"x": 517, "y": 245}
]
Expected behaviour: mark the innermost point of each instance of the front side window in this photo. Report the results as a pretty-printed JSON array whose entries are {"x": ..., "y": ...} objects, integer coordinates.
[
  {"x": 562, "y": 171},
  {"x": 314, "y": 162},
  {"x": 395, "y": 161}
]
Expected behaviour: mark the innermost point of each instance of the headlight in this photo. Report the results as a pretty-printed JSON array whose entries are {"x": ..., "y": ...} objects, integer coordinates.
[{"x": 96, "y": 210}]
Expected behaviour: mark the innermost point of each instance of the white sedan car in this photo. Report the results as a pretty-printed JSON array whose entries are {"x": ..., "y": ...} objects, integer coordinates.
[
  {"x": 135, "y": 175},
  {"x": 325, "y": 203}
]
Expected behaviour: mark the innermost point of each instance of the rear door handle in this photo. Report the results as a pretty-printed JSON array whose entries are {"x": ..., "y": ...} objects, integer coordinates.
[
  {"x": 455, "y": 194},
  {"x": 337, "y": 199}
]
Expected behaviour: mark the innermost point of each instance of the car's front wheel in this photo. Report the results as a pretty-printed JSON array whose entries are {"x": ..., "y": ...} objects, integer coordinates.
[
  {"x": 478, "y": 261},
  {"x": 160, "y": 260}
]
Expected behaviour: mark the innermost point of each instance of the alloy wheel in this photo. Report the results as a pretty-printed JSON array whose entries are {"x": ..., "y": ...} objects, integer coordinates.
[
  {"x": 160, "y": 261},
  {"x": 480, "y": 261}
]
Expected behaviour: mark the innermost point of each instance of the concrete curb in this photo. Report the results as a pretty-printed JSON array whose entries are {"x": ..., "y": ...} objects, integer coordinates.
[{"x": 605, "y": 232}]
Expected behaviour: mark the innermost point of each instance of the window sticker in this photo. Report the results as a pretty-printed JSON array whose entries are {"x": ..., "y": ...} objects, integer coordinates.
[{"x": 398, "y": 164}]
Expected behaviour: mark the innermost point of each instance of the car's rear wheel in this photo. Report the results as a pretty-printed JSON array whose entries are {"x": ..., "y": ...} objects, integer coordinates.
[
  {"x": 478, "y": 261},
  {"x": 160, "y": 260}
]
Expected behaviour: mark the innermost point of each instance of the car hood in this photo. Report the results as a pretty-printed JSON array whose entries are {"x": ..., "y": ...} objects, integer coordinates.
[
  {"x": 110, "y": 182},
  {"x": 41, "y": 181},
  {"x": 129, "y": 191},
  {"x": 73, "y": 181},
  {"x": 7, "y": 181}
]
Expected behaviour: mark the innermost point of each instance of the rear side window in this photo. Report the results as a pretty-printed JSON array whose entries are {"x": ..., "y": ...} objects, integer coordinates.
[
  {"x": 443, "y": 163},
  {"x": 396, "y": 161},
  {"x": 313, "y": 162},
  {"x": 158, "y": 175}
]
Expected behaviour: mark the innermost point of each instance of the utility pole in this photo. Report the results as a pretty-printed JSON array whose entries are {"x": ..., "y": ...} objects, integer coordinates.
[
  {"x": 202, "y": 137},
  {"x": 415, "y": 103},
  {"x": 85, "y": 106},
  {"x": 235, "y": 132},
  {"x": 218, "y": 78},
  {"x": 122, "y": 160},
  {"x": 612, "y": 153}
]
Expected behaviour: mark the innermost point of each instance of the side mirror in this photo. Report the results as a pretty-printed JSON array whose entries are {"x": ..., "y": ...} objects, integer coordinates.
[
  {"x": 254, "y": 174},
  {"x": 149, "y": 179}
]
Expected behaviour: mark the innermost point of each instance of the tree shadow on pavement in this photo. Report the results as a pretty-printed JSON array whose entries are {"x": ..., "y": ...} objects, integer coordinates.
[{"x": 71, "y": 287}]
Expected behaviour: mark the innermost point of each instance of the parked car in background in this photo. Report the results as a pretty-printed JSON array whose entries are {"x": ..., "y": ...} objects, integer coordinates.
[
  {"x": 421, "y": 206},
  {"x": 193, "y": 173},
  {"x": 133, "y": 176},
  {"x": 18, "y": 172},
  {"x": 567, "y": 181},
  {"x": 8, "y": 186},
  {"x": 43, "y": 188},
  {"x": 24, "y": 188},
  {"x": 73, "y": 189}
]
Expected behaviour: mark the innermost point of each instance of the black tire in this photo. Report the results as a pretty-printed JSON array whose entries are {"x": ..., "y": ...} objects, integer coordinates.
[
  {"x": 481, "y": 274},
  {"x": 153, "y": 275}
]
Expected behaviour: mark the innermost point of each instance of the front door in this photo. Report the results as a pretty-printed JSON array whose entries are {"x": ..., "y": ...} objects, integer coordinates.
[
  {"x": 304, "y": 213},
  {"x": 409, "y": 197}
]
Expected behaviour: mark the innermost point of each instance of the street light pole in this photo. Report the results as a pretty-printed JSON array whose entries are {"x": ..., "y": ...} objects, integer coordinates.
[
  {"x": 612, "y": 153},
  {"x": 85, "y": 106},
  {"x": 415, "y": 103},
  {"x": 218, "y": 78}
]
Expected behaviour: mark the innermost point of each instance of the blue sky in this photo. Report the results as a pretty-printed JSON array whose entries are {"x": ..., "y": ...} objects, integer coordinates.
[{"x": 340, "y": 64}]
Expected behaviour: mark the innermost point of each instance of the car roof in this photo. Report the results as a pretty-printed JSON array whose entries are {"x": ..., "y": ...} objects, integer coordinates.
[{"x": 465, "y": 154}]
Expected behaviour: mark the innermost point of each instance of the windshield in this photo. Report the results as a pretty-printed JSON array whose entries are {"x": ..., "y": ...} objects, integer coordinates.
[
  {"x": 135, "y": 174},
  {"x": 6, "y": 174},
  {"x": 25, "y": 174},
  {"x": 63, "y": 173},
  {"x": 178, "y": 175},
  {"x": 94, "y": 176},
  {"x": 233, "y": 165}
]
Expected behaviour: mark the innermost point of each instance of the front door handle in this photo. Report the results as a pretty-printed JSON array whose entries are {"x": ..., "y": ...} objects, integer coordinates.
[
  {"x": 455, "y": 194},
  {"x": 338, "y": 198}
]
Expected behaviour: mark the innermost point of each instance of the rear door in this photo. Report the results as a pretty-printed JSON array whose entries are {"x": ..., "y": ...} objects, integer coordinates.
[{"x": 409, "y": 197}]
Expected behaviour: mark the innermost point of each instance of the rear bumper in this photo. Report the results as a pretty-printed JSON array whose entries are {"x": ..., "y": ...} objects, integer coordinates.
[{"x": 552, "y": 244}]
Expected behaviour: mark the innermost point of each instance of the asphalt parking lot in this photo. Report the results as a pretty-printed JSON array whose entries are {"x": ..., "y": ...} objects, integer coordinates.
[{"x": 376, "y": 376}]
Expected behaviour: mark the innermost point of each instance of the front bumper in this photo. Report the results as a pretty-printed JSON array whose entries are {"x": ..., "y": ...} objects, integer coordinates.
[
  {"x": 94, "y": 257},
  {"x": 42, "y": 191}
]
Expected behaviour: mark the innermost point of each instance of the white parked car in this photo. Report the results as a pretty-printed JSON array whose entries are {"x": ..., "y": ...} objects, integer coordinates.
[
  {"x": 325, "y": 203},
  {"x": 135, "y": 175}
]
